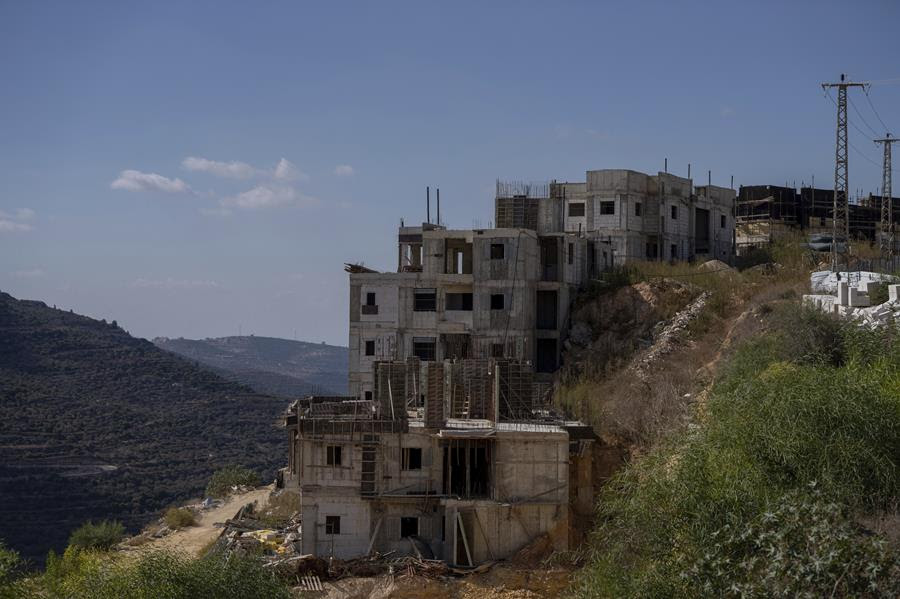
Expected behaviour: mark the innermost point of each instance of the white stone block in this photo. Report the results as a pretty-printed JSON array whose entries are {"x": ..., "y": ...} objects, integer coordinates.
[
  {"x": 866, "y": 286},
  {"x": 857, "y": 299},
  {"x": 843, "y": 293},
  {"x": 894, "y": 293}
]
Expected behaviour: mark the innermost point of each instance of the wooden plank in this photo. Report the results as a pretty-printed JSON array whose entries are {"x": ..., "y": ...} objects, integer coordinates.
[
  {"x": 374, "y": 536},
  {"x": 465, "y": 539}
]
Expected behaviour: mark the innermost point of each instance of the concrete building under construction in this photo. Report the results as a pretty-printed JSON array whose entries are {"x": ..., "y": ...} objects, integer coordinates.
[
  {"x": 459, "y": 460},
  {"x": 472, "y": 293},
  {"x": 767, "y": 213},
  {"x": 640, "y": 216}
]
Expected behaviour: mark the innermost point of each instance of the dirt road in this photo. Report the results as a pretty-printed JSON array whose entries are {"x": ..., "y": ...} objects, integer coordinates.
[{"x": 192, "y": 539}]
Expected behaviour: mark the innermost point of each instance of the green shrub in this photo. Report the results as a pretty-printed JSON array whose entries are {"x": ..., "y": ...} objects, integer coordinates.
[
  {"x": 814, "y": 403},
  {"x": 179, "y": 517},
  {"x": 101, "y": 535},
  {"x": 12, "y": 567},
  {"x": 82, "y": 575},
  {"x": 230, "y": 476},
  {"x": 804, "y": 547}
]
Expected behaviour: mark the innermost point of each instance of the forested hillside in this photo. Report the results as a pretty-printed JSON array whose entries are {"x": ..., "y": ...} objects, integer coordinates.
[
  {"x": 99, "y": 424},
  {"x": 269, "y": 365}
]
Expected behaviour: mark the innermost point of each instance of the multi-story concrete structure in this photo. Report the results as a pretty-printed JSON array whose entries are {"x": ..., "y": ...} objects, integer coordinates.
[
  {"x": 454, "y": 461},
  {"x": 767, "y": 213},
  {"x": 642, "y": 217},
  {"x": 477, "y": 293}
]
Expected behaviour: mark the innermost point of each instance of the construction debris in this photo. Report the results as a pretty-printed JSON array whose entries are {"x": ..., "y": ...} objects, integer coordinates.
[
  {"x": 854, "y": 301},
  {"x": 279, "y": 549}
]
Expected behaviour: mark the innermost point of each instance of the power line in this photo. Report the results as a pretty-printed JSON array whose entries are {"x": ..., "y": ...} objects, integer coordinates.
[
  {"x": 859, "y": 114},
  {"x": 852, "y": 124},
  {"x": 878, "y": 116},
  {"x": 863, "y": 133}
]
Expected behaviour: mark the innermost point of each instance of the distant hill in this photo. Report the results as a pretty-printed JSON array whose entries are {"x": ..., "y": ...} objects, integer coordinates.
[
  {"x": 96, "y": 424},
  {"x": 269, "y": 365}
]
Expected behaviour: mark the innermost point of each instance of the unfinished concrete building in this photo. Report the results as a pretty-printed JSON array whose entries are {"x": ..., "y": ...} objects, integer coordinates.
[
  {"x": 767, "y": 213},
  {"x": 637, "y": 216},
  {"x": 474, "y": 293},
  {"x": 454, "y": 460}
]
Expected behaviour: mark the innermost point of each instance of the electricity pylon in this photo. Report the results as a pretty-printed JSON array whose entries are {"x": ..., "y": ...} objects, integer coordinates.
[
  {"x": 887, "y": 208},
  {"x": 840, "y": 225}
]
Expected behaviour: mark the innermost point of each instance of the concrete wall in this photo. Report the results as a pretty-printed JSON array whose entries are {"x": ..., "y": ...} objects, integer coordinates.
[
  {"x": 529, "y": 496},
  {"x": 515, "y": 276}
]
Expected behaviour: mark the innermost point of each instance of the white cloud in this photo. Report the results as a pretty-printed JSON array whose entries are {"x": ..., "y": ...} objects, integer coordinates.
[
  {"x": 726, "y": 111},
  {"x": 267, "y": 196},
  {"x": 230, "y": 170},
  {"x": 170, "y": 283},
  {"x": 12, "y": 223},
  {"x": 131, "y": 180},
  {"x": 9, "y": 226},
  {"x": 343, "y": 170},
  {"x": 34, "y": 273},
  {"x": 285, "y": 170}
]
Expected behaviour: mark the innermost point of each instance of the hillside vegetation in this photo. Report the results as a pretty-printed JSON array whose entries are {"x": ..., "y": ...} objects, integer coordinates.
[
  {"x": 269, "y": 365},
  {"x": 100, "y": 425},
  {"x": 763, "y": 452}
]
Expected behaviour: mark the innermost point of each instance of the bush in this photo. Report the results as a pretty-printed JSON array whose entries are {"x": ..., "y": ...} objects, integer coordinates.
[
  {"x": 725, "y": 507},
  {"x": 11, "y": 569},
  {"x": 102, "y": 535},
  {"x": 230, "y": 476},
  {"x": 82, "y": 575},
  {"x": 179, "y": 517}
]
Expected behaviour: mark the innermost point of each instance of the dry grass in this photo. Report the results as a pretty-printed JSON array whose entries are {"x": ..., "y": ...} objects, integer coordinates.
[
  {"x": 281, "y": 508},
  {"x": 602, "y": 389}
]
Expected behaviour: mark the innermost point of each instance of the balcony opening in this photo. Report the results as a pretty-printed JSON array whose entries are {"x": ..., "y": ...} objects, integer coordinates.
[
  {"x": 409, "y": 527},
  {"x": 456, "y": 346},
  {"x": 457, "y": 257},
  {"x": 549, "y": 259},
  {"x": 467, "y": 468},
  {"x": 547, "y": 309},
  {"x": 545, "y": 360},
  {"x": 458, "y": 302},
  {"x": 425, "y": 348}
]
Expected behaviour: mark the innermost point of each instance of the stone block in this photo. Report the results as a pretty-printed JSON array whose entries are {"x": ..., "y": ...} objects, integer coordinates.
[
  {"x": 858, "y": 300},
  {"x": 843, "y": 293},
  {"x": 867, "y": 286},
  {"x": 894, "y": 293}
]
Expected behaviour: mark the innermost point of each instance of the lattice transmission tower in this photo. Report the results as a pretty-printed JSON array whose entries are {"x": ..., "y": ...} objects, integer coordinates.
[
  {"x": 887, "y": 208},
  {"x": 840, "y": 226}
]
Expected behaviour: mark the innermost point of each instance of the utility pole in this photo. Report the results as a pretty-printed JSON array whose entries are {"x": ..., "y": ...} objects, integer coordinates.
[
  {"x": 887, "y": 208},
  {"x": 840, "y": 218}
]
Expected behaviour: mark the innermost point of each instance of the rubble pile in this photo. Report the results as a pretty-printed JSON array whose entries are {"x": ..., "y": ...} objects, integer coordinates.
[
  {"x": 665, "y": 340},
  {"x": 252, "y": 533}
]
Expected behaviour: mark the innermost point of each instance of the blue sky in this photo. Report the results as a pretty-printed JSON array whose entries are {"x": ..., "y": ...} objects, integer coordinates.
[{"x": 199, "y": 169}]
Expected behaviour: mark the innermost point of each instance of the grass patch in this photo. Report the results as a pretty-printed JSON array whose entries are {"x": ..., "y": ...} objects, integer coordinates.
[{"x": 80, "y": 574}]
